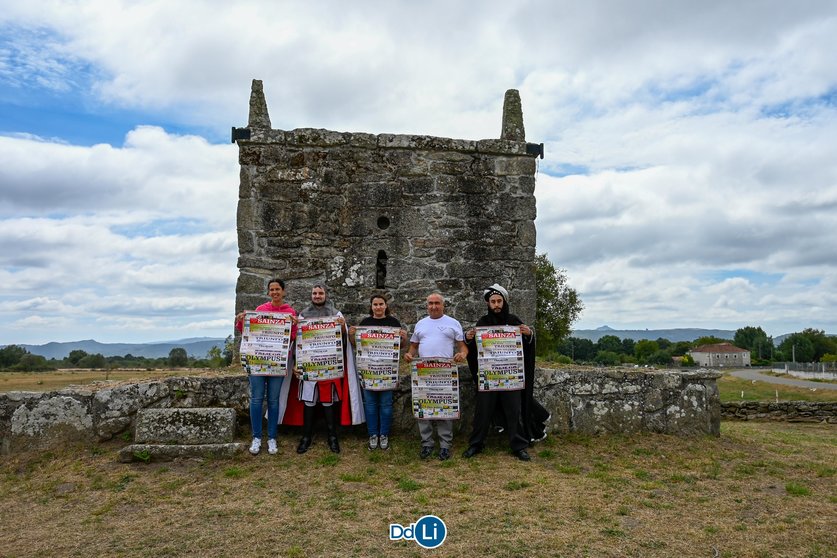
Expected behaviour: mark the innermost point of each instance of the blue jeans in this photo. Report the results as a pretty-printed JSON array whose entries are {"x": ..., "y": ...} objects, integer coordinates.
[
  {"x": 375, "y": 402},
  {"x": 258, "y": 386}
]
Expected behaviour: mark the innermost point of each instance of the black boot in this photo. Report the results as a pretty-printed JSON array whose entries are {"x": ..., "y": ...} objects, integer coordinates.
[
  {"x": 331, "y": 417},
  {"x": 307, "y": 429}
]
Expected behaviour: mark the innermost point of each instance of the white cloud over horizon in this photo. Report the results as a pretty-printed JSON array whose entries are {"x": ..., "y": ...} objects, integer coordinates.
[{"x": 689, "y": 178}]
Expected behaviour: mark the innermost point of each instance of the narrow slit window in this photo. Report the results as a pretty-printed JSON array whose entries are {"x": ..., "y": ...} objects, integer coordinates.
[{"x": 381, "y": 270}]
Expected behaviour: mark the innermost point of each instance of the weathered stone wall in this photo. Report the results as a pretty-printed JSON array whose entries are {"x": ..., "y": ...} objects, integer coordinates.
[
  {"x": 790, "y": 411},
  {"x": 399, "y": 214},
  {"x": 584, "y": 401},
  {"x": 98, "y": 413}
]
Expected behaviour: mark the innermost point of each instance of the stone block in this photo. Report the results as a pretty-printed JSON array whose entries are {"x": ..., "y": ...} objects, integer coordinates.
[
  {"x": 185, "y": 426},
  {"x": 170, "y": 452},
  {"x": 517, "y": 166}
]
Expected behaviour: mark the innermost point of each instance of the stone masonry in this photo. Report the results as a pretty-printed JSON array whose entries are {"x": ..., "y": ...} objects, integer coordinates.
[
  {"x": 580, "y": 400},
  {"x": 398, "y": 214}
]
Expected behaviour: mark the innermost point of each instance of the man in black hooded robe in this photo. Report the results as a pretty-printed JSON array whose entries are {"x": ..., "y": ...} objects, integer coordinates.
[{"x": 523, "y": 418}]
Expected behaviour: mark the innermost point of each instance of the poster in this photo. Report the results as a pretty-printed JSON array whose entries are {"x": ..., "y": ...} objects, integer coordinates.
[
  {"x": 500, "y": 358},
  {"x": 435, "y": 388},
  {"x": 319, "y": 348},
  {"x": 376, "y": 360},
  {"x": 265, "y": 343}
]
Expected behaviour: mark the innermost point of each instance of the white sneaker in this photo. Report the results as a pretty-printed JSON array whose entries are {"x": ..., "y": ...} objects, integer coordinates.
[
  {"x": 373, "y": 442},
  {"x": 256, "y": 446},
  {"x": 384, "y": 442},
  {"x": 272, "y": 448}
]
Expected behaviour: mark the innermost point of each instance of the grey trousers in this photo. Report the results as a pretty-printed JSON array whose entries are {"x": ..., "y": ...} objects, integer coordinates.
[{"x": 444, "y": 428}]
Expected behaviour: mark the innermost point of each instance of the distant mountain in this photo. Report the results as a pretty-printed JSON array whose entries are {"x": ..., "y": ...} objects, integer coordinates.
[
  {"x": 673, "y": 335},
  {"x": 195, "y": 347}
]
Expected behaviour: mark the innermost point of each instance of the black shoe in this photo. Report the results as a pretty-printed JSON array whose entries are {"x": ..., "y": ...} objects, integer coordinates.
[
  {"x": 522, "y": 455},
  {"x": 304, "y": 444},
  {"x": 426, "y": 452},
  {"x": 333, "y": 444},
  {"x": 444, "y": 454},
  {"x": 471, "y": 452}
]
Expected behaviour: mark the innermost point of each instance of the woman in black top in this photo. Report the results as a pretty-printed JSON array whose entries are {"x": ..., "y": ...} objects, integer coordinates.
[{"x": 378, "y": 404}]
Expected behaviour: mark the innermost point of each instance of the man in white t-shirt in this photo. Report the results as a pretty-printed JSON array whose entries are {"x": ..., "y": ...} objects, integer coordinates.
[{"x": 437, "y": 335}]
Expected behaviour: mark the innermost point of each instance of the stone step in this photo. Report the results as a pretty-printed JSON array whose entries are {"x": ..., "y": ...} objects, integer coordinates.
[
  {"x": 170, "y": 452},
  {"x": 206, "y": 425}
]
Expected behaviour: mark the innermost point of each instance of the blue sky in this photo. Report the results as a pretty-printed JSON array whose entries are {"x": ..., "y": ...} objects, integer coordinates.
[{"x": 689, "y": 178}]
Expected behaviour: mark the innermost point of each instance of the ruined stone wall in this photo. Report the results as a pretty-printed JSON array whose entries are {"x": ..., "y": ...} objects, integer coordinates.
[
  {"x": 398, "y": 214},
  {"x": 580, "y": 400},
  {"x": 790, "y": 411}
]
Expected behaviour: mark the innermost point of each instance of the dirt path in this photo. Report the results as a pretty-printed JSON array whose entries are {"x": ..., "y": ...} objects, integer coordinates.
[{"x": 755, "y": 375}]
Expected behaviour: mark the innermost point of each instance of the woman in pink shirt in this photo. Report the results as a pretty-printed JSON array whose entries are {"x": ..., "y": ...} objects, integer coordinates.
[{"x": 272, "y": 385}]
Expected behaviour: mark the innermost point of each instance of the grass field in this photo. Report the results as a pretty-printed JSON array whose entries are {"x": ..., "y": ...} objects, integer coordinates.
[
  {"x": 57, "y": 379},
  {"x": 760, "y": 490},
  {"x": 731, "y": 387}
]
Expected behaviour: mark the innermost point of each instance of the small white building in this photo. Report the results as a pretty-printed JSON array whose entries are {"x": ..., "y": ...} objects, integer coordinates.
[{"x": 720, "y": 355}]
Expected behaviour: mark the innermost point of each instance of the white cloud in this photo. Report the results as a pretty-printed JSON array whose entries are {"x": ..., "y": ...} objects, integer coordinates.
[{"x": 701, "y": 137}]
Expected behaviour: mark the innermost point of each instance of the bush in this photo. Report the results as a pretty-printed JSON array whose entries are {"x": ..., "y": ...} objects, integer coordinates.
[
  {"x": 92, "y": 361},
  {"x": 32, "y": 363},
  {"x": 557, "y": 357},
  {"x": 607, "y": 358}
]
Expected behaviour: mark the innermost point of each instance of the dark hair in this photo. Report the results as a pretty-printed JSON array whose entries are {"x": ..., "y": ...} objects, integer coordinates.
[
  {"x": 382, "y": 297},
  {"x": 276, "y": 280}
]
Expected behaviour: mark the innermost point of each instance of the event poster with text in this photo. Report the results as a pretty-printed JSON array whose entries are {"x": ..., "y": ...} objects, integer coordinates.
[
  {"x": 435, "y": 387},
  {"x": 265, "y": 343},
  {"x": 319, "y": 348},
  {"x": 378, "y": 350},
  {"x": 500, "y": 358}
]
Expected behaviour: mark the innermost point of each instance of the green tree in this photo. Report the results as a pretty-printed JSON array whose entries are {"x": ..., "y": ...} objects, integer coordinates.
[
  {"x": 558, "y": 305},
  {"x": 94, "y": 361},
  {"x": 663, "y": 343},
  {"x": 823, "y": 344},
  {"x": 680, "y": 348},
  {"x": 215, "y": 358},
  {"x": 710, "y": 340},
  {"x": 797, "y": 347},
  {"x": 229, "y": 349},
  {"x": 607, "y": 358},
  {"x": 609, "y": 343},
  {"x": 644, "y": 348},
  {"x": 628, "y": 346},
  {"x": 75, "y": 356},
  {"x": 661, "y": 357},
  {"x": 576, "y": 348},
  {"x": 755, "y": 340},
  {"x": 11, "y": 355},
  {"x": 178, "y": 357},
  {"x": 687, "y": 360}
]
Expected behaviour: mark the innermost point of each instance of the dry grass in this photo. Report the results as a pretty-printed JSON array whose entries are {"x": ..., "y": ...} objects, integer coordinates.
[
  {"x": 730, "y": 389},
  {"x": 58, "y": 379},
  {"x": 759, "y": 490}
]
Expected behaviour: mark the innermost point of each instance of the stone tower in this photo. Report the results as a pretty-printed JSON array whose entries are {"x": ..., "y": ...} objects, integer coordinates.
[{"x": 402, "y": 215}]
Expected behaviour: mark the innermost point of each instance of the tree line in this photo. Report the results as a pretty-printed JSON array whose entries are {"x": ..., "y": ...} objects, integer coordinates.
[
  {"x": 17, "y": 358},
  {"x": 559, "y": 306},
  {"x": 809, "y": 345}
]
